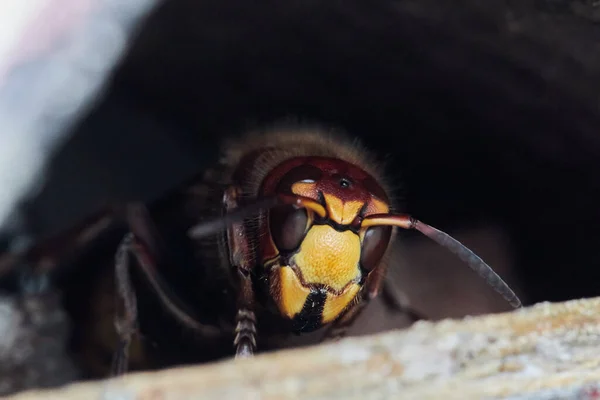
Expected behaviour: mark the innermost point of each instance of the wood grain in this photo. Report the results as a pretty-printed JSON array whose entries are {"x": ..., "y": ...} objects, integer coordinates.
[{"x": 549, "y": 350}]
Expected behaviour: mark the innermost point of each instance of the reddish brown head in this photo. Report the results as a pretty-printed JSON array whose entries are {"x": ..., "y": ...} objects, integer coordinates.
[
  {"x": 319, "y": 254},
  {"x": 328, "y": 222}
]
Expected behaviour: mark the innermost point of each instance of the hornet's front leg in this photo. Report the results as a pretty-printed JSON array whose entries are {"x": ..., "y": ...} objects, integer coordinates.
[
  {"x": 241, "y": 259},
  {"x": 143, "y": 244}
]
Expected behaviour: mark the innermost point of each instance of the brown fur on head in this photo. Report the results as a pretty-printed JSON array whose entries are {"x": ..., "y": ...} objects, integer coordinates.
[{"x": 285, "y": 141}]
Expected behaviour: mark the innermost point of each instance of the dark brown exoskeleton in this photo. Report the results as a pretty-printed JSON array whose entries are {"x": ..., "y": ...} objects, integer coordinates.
[{"x": 290, "y": 233}]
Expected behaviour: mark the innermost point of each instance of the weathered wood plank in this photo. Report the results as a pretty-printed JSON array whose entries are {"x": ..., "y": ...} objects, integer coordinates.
[{"x": 545, "y": 351}]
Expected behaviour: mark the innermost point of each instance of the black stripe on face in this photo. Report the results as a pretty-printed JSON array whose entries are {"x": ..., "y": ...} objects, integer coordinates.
[{"x": 311, "y": 316}]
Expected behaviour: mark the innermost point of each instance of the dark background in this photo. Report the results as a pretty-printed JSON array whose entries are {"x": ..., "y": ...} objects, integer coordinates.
[{"x": 488, "y": 113}]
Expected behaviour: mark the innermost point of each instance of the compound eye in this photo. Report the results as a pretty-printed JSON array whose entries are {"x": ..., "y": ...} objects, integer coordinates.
[
  {"x": 375, "y": 243},
  {"x": 288, "y": 226}
]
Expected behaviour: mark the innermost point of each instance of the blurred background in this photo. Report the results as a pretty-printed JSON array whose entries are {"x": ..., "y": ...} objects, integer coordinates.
[{"x": 487, "y": 113}]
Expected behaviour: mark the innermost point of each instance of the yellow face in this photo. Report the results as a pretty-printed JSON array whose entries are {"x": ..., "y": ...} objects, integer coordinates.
[
  {"x": 323, "y": 262},
  {"x": 326, "y": 258}
]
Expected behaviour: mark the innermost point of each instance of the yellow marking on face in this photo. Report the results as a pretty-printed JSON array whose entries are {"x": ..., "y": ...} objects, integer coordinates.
[
  {"x": 293, "y": 294},
  {"x": 378, "y": 207},
  {"x": 306, "y": 189},
  {"x": 329, "y": 257},
  {"x": 340, "y": 211},
  {"x": 334, "y": 305}
]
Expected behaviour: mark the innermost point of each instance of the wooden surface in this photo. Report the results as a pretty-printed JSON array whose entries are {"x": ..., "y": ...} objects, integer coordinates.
[{"x": 542, "y": 352}]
